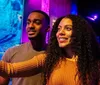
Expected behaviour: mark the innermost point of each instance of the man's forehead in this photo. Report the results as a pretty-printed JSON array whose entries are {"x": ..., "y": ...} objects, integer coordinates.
[{"x": 36, "y": 15}]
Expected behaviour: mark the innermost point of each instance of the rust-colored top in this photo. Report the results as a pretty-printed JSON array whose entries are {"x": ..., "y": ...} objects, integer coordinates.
[{"x": 63, "y": 74}]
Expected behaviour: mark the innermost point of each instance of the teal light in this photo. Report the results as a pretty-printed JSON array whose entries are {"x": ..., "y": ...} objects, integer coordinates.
[{"x": 11, "y": 12}]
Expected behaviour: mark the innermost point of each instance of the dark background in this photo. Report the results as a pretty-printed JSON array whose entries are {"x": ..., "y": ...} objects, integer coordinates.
[{"x": 87, "y": 8}]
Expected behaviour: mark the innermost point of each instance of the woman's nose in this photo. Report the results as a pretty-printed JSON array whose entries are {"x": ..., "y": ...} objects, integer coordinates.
[{"x": 62, "y": 31}]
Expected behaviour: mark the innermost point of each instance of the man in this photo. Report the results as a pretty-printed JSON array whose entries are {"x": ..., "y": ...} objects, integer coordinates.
[{"x": 37, "y": 26}]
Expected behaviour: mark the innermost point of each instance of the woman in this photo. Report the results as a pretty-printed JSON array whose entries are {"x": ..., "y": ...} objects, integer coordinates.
[{"x": 72, "y": 57}]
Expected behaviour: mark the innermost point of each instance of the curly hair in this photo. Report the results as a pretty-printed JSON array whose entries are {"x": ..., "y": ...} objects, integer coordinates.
[{"x": 84, "y": 44}]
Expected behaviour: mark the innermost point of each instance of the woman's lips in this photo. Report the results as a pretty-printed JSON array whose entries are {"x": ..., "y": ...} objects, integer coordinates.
[{"x": 61, "y": 40}]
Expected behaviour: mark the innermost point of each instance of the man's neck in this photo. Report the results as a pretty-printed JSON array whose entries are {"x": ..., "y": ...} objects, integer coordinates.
[{"x": 38, "y": 45}]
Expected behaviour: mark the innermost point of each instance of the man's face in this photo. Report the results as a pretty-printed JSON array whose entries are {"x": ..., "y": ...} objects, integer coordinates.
[{"x": 36, "y": 24}]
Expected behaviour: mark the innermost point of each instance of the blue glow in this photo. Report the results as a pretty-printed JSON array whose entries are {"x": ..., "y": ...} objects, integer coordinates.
[
  {"x": 74, "y": 8},
  {"x": 98, "y": 38}
]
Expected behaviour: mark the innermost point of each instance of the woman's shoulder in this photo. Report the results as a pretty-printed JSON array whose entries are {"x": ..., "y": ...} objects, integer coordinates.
[{"x": 42, "y": 54}]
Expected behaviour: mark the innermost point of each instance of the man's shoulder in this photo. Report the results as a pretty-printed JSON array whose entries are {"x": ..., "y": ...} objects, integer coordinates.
[
  {"x": 18, "y": 46},
  {"x": 13, "y": 52}
]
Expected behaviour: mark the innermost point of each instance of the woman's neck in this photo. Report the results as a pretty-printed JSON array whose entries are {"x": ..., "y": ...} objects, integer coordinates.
[{"x": 69, "y": 52}]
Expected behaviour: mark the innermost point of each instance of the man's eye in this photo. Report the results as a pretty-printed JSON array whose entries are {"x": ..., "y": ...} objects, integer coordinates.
[
  {"x": 28, "y": 22},
  {"x": 38, "y": 22}
]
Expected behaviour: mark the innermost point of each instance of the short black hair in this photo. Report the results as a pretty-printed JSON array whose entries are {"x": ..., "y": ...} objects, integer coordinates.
[{"x": 45, "y": 14}]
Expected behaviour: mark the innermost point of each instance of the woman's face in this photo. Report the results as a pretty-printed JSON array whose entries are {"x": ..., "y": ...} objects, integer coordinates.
[{"x": 64, "y": 32}]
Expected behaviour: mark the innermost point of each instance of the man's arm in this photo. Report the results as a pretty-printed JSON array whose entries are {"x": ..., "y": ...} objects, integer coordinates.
[{"x": 4, "y": 81}]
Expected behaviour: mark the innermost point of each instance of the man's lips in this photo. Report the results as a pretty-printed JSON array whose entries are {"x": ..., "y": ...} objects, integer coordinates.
[{"x": 31, "y": 32}]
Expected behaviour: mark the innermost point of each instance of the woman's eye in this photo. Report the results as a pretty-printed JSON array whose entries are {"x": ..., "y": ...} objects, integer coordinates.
[
  {"x": 68, "y": 28},
  {"x": 58, "y": 28}
]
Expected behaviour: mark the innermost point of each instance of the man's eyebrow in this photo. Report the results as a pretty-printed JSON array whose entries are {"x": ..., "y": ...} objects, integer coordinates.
[
  {"x": 34, "y": 20},
  {"x": 37, "y": 19}
]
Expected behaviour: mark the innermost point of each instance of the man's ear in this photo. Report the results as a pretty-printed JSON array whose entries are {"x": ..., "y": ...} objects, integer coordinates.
[{"x": 48, "y": 29}]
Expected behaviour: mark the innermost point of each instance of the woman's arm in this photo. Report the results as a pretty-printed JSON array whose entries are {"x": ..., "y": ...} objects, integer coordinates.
[{"x": 22, "y": 69}]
